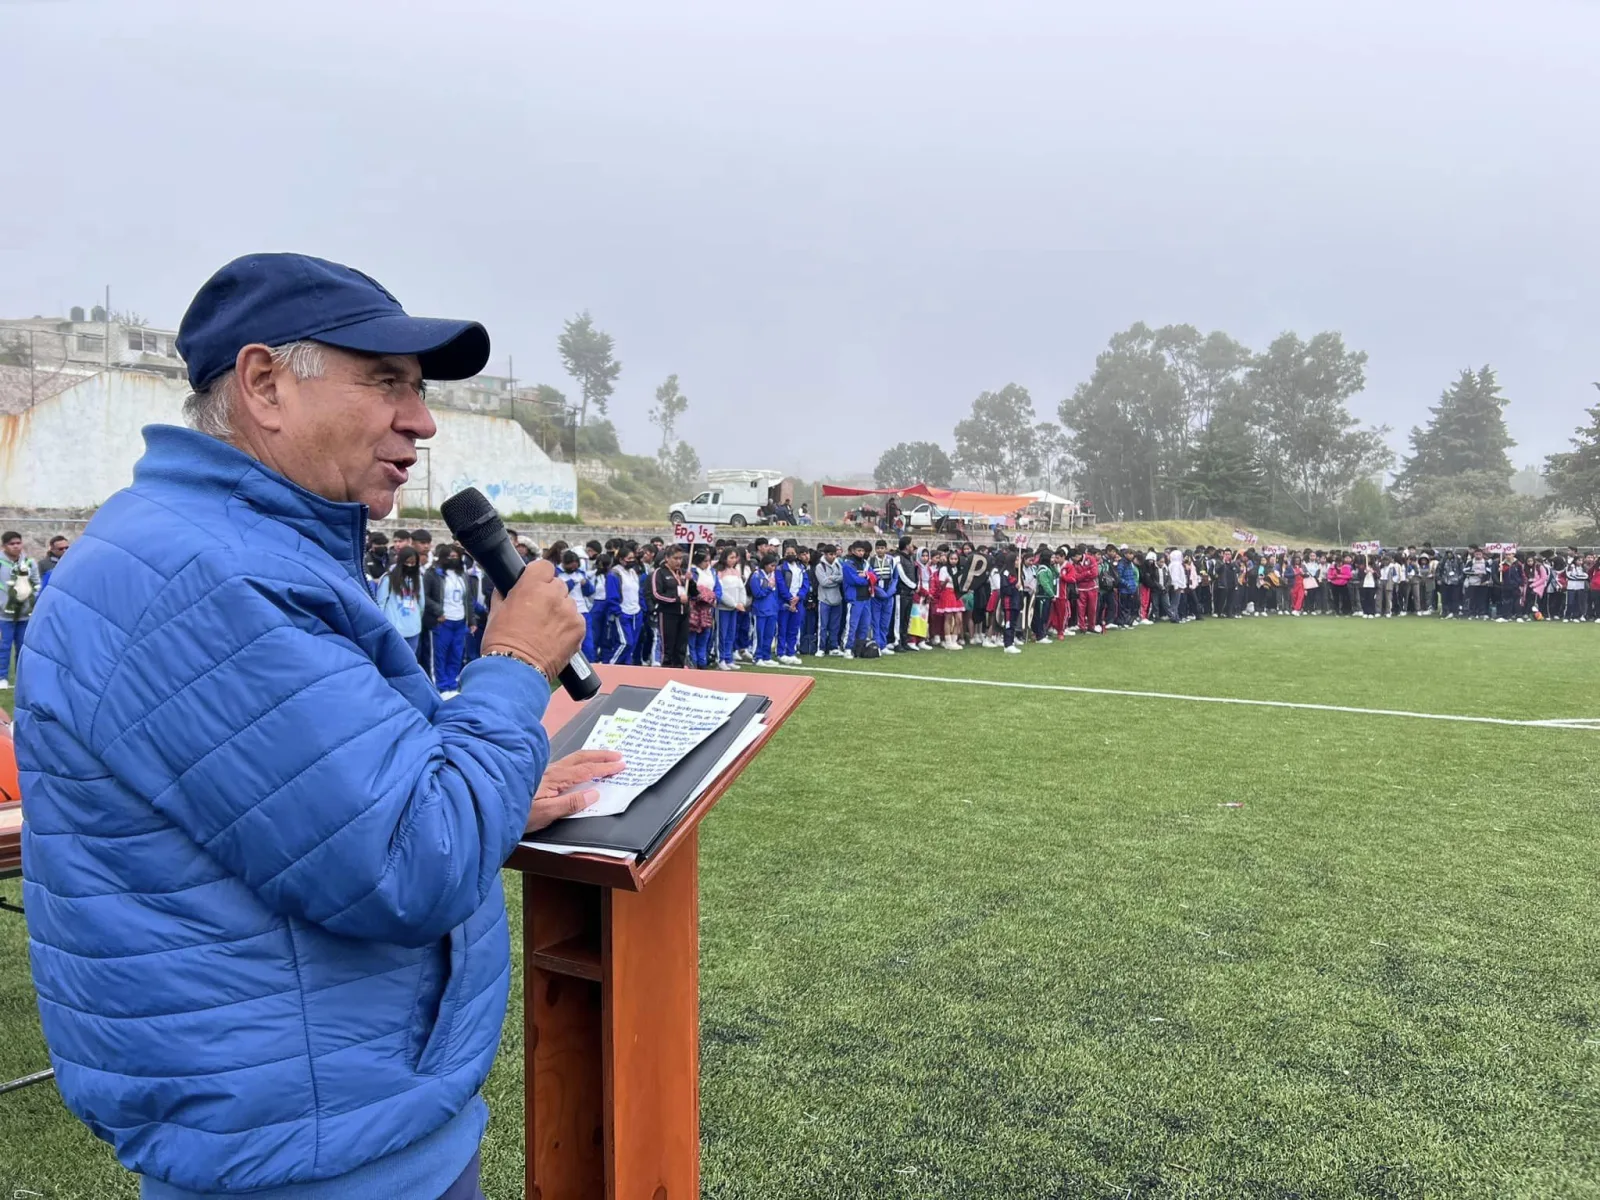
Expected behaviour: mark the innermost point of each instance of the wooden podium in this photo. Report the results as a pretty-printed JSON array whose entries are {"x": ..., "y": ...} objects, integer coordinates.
[
  {"x": 10, "y": 804},
  {"x": 611, "y": 982},
  {"x": 10, "y": 838}
]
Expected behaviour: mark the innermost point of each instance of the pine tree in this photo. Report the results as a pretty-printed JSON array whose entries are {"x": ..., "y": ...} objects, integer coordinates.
[
  {"x": 588, "y": 355},
  {"x": 1466, "y": 433},
  {"x": 1574, "y": 477},
  {"x": 1225, "y": 475}
]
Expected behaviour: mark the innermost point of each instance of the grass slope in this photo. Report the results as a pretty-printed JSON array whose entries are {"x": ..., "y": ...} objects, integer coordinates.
[
  {"x": 964, "y": 941},
  {"x": 1188, "y": 534}
]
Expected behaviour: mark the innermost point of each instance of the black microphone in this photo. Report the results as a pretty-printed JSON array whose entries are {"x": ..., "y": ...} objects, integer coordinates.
[{"x": 477, "y": 526}]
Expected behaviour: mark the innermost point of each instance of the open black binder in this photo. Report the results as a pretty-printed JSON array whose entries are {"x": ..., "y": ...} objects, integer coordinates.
[{"x": 657, "y": 811}]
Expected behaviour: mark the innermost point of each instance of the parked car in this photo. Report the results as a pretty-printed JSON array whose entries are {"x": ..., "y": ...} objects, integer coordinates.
[
  {"x": 930, "y": 516},
  {"x": 725, "y": 505},
  {"x": 737, "y": 497}
]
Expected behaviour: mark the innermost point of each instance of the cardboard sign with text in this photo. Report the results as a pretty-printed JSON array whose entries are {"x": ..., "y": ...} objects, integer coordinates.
[{"x": 690, "y": 535}]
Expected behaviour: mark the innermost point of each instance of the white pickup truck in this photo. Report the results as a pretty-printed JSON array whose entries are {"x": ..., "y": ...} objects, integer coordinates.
[
  {"x": 723, "y": 505},
  {"x": 732, "y": 497}
]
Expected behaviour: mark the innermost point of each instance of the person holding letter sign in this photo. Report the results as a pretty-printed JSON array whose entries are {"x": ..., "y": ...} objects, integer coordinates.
[{"x": 262, "y": 856}]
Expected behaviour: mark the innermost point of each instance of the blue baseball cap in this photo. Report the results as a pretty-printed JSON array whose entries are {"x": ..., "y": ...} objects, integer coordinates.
[{"x": 275, "y": 299}]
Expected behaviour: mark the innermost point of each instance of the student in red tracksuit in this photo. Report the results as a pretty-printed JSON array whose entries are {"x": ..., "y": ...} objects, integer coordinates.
[
  {"x": 1061, "y": 607},
  {"x": 1087, "y": 573}
]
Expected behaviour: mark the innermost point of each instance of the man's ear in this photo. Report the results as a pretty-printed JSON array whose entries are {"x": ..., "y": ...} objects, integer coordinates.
[{"x": 257, "y": 382}]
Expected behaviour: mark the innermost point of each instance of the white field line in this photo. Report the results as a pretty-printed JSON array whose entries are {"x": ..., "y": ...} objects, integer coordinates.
[{"x": 1589, "y": 723}]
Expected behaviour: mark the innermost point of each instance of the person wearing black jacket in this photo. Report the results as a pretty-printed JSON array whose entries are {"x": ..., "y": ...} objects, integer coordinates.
[
  {"x": 433, "y": 592},
  {"x": 1237, "y": 572},
  {"x": 972, "y": 575},
  {"x": 377, "y": 562},
  {"x": 1205, "y": 594},
  {"x": 422, "y": 541},
  {"x": 809, "y": 627},
  {"x": 1010, "y": 604},
  {"x": 432, "y": 596},
  {"x": 1222, "y": 581},
  {"x": 1149, "y": 589},
  {"x": 907, "y": 582},
  {"x": 649, "y": 628},
  {"x": 669, "y": 588}
]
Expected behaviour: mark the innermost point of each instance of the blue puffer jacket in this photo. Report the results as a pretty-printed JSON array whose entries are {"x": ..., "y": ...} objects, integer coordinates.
[
  {"x": 1127, "y": 578},
  {"x": 262, "y": 858}
]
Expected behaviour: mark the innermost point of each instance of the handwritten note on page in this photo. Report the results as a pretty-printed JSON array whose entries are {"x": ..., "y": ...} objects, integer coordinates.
[
  {"x": 610, "y": 729},
  {"x": 671, "y": 725}
]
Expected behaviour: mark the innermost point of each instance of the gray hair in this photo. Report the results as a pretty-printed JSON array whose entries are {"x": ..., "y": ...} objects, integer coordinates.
[{"x": 211, "y": 411}]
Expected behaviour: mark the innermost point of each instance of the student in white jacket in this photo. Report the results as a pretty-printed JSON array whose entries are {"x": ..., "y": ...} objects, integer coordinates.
[{"x": 1177, "y": 586}]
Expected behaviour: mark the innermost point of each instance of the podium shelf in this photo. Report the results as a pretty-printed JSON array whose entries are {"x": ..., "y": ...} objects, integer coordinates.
[{"x": 577, "y": 956}]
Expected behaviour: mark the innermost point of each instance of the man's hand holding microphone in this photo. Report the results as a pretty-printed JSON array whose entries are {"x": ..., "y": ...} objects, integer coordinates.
[
  {"x": 532, "y": 618},
  {"x": 539, "y": 624}
]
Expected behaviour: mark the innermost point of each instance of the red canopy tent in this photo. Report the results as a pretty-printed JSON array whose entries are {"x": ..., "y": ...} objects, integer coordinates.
[{"x": 988, "y": 504}]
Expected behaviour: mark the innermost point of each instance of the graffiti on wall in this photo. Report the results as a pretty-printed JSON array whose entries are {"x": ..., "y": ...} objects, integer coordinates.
[{"x": 526, "y": 496}]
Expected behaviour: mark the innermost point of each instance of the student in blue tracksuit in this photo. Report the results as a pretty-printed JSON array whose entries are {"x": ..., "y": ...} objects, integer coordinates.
[
  {"x": 857, "y": 599},
  {"x": 603, "y": 606},
  {"x": 830, "y": 601},
  {"x": 766, "y": 603},
  {"x": 794, "y": 585},
  {"x": 453, "y": 591},
  {"x": 1127, "y": 590},
  {"x": 627, "y": 611},
  {"x": 883, "y": 565},
  {"x": 581, "y": 588}
]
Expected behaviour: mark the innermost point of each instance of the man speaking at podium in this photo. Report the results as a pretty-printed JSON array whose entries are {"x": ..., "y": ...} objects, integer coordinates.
[{"x": 262, "y": 858}]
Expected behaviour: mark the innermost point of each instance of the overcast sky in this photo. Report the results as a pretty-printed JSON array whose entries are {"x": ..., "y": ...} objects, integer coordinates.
[{"x": 839, "y": 221}]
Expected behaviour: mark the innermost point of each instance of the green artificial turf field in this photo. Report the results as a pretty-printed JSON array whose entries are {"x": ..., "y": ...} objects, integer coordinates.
[{"x": 969, "y": 941}]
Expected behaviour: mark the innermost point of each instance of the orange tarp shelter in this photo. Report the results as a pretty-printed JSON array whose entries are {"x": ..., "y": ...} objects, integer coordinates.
[{"x": 988, "y": 504}]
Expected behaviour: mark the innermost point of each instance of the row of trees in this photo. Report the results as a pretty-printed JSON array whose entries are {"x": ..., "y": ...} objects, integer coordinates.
[{"x": 1176, "y": 423}]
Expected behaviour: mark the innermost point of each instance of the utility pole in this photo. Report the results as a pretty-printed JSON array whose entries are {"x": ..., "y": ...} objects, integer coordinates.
[{"x": 108, "y": 327}]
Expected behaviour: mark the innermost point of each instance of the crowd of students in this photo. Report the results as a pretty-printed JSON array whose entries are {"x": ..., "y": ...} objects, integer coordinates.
[
  {"x": 720, "y": 606},
  {"x": 732, "y": 603},
  {"x": 434, "y": 596}
]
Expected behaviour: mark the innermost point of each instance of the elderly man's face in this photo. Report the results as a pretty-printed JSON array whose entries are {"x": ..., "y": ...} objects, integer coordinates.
[{"x": 348, "y": 436}]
